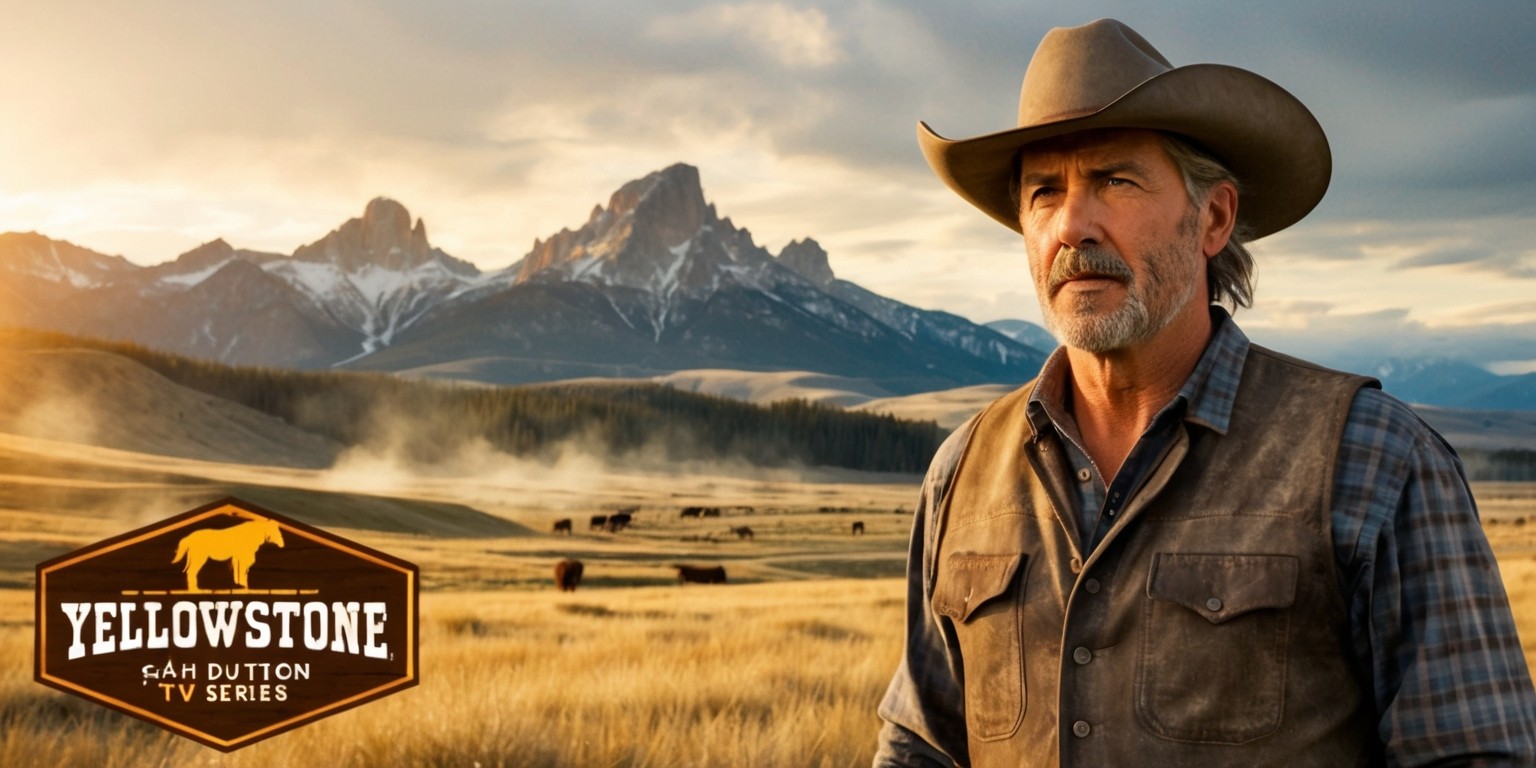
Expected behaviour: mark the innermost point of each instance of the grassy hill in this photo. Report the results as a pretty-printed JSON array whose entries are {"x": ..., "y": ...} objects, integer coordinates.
[{"x": 427, "y": 421}]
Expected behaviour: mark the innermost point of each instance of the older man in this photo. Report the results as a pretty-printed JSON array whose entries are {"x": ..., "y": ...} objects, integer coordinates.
[{"x": 1175, "y": 547}]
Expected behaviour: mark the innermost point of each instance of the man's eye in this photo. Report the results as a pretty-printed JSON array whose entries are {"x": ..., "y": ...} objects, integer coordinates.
[{"x": 1041, "y": 193}]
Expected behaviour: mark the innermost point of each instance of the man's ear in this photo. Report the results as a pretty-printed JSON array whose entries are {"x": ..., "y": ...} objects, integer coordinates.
[{"x": 1218, "y": 218}]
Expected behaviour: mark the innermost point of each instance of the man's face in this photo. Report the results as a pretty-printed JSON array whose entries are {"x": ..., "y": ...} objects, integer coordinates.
[{"x": 1114, "y": 243}]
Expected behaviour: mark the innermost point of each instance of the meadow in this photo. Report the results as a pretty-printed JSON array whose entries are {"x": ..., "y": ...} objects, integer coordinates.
[{"x": 783, "y": 666}]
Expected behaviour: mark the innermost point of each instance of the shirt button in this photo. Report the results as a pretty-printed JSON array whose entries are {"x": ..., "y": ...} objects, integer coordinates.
[
  {"x": 1081, "y": 729},
  {"x": 1084, "y": 475},
  {"x": 1213, "y": 605},
  {"x": 1111, "y": 512},
  {"x": 1091, "y": 586},
  {"x": 1082, "y": 655}
]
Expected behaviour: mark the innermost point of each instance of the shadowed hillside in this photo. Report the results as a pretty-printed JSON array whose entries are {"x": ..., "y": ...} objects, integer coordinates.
[{"x": 425, "y": 422}]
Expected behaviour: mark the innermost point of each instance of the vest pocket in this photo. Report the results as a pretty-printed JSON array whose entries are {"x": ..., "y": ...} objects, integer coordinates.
[
  {"x": 1213, "y": 646},
  {"x": 982, "y": 595}
]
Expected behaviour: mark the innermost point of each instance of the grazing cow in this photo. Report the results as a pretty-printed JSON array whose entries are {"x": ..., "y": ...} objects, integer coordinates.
[
  {"x": 700, "y": 575},
  {"x": 744, "y": 532},
  {"x": 858, "y": 528},
  {"x": 618, "y": 522},
  {"x": 563, "y": 526},
  {"x": 711, "y": 511},
  {"x": 567, "y": 575},
  {"x": 237, "y": 544},
  {"x": 599, "y": 522},
  {"x": 692, "y": 512}
]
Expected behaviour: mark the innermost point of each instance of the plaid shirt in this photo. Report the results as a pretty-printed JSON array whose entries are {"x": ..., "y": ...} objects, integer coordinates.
[{"x": 1430, "y": 623}]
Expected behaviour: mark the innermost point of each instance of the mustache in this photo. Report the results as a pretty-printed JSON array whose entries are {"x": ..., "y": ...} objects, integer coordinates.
[{"x": 1073, "y": 263}]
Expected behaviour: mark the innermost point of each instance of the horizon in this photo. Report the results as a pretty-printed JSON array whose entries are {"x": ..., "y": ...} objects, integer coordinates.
[{"x": 166, "y": 127}]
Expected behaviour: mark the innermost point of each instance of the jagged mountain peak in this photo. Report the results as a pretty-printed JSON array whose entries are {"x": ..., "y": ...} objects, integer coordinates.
[
  {"x": 383, "y": 237},
  {"x": 809, "y": 259}
]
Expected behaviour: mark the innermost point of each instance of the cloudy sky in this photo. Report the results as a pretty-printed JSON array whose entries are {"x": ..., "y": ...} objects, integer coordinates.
[{"x": 146, "y": 128}]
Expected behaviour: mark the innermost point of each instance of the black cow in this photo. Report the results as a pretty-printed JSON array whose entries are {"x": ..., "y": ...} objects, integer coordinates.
[
  {"x": 858, "y": 528},
  {"x": 744, "y": 532},
  {"x": 711, "y": 511},
  {"x": 700, "y": 575},
  {"x": 692, "y": 512},
  {"x": 599, "y": 522},
  {"x": 567, "y": 575},
  {"x": 619, "y": 522}
]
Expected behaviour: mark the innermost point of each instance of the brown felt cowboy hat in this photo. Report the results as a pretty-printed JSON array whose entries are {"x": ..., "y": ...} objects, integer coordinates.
[{"x": 1105, "y": 75}]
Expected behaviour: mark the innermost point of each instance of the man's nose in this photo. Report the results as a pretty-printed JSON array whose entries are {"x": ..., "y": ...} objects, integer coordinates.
[{"x": 1079, "y": 220}]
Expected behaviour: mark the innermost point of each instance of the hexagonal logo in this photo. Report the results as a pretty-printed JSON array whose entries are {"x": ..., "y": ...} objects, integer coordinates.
[{"x": 227, "y": 624}]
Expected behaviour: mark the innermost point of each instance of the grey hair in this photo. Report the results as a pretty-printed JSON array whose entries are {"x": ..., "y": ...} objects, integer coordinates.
[{"x": 1228, "y": 274}]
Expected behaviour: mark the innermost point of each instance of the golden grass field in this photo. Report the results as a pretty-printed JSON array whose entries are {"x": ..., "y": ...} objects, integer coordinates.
[{"x": 784, "y": 666}]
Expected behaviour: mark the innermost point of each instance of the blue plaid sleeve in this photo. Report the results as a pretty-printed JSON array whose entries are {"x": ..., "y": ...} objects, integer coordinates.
[
  {"x": 924, "y": 707},
  {"x": 1430, "y": 621}
]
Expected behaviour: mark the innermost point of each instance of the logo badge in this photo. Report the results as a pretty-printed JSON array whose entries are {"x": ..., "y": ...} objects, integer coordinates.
[{"x": 227, "y": 624}]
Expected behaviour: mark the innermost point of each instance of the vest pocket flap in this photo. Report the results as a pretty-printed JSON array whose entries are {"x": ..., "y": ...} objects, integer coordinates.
[
  {"x": 969, "y": 581},
  {"x": 1223, "y": 587}
]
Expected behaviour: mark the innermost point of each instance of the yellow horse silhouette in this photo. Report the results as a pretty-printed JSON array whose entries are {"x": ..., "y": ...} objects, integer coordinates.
[{"x": 237, "y": 544}]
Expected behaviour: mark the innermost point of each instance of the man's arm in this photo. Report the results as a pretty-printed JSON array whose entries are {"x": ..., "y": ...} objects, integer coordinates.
[
  {"x": 924, "y": 708},
  {"x": 1431, "y": 622}
]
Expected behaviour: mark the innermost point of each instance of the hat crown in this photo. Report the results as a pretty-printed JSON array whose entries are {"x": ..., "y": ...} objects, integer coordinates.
[{"x": 1077, "y": 71}]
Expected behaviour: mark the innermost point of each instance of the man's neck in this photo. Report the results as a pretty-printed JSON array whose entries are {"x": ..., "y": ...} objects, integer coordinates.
[{"x": 1116, "y": 395}]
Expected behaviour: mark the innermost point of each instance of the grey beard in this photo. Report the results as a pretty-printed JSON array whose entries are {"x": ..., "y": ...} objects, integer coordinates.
[{"x": 1131, "y": 324}]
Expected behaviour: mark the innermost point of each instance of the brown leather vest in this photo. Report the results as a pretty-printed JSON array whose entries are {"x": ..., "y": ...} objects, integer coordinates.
[{"x": 1207, "y": 629}]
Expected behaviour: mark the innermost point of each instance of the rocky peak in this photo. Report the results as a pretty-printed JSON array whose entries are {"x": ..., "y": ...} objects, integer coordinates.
[
  {"x": 645, "y": 221},
  {"x": 808, "y": 258},
  {"x": 206, "y": 255},
  {"x": 383, "y": 237}
]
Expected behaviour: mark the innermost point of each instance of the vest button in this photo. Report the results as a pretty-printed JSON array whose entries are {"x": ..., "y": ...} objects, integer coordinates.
[
  {"x": 1081, "y": 729},
  {"x": 1213, "y": 605},
  {"x": 1076, "y": 565},
  {"x": 1082, "y": 655},
  {"x": 1091, "y": 586}
]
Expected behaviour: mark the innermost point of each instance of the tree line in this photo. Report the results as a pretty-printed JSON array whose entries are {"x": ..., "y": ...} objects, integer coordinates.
[{"x": 431, "y": 420}]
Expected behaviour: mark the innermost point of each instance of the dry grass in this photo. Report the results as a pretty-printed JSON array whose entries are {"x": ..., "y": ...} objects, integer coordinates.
[{"x": 759, "y": 675}]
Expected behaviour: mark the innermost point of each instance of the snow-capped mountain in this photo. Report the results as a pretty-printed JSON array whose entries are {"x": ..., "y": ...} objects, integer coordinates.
[
  {"x": 653, "y": 282},
  {"x": 658, "y": 281}
]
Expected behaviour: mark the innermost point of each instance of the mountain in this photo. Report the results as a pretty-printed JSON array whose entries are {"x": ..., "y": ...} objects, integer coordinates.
[
  {"x": 1025, "y": 332},
  {"x": 655, "y": 281}
]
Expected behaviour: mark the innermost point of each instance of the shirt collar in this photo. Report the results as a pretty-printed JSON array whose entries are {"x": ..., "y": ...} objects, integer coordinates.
[{"x": 1207, "y": 395}]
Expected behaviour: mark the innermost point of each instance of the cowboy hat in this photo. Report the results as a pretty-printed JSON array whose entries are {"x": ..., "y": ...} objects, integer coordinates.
[{"x": 1105, "y": 75}]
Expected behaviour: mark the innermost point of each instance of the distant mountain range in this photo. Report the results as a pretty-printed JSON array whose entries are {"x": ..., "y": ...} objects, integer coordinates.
[{"x": 653, "y": 283}]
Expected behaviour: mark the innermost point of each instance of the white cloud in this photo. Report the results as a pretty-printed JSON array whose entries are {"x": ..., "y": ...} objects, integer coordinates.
[{"x": 794, "y": 38}]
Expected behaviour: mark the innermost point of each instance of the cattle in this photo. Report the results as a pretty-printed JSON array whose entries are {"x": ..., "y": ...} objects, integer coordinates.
[
  {"x": 692, "y": 512},
  {"x": 711, "y": 511},
  {"x": 858, "y": 528},
  {"x": 567, "y": 575},
  {"x": 563, "y": 525},
  {"x": 700, "y": 575},
  {"x": 744, "y": 532},
  {"x": 618, "y": 522},
  {"x": 599, "y": 522}
]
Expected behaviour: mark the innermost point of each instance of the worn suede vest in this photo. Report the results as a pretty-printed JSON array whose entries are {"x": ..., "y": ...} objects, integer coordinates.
[{"x": 1206, "y": 630}]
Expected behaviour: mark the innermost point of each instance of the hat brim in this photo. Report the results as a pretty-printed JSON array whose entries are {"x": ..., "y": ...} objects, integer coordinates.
[{"x": 1262, "y": 133}]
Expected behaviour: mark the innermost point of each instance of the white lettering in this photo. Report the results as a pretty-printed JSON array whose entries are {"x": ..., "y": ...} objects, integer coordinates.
[
  {"x": 105, "y": 641},
  {"x": 221, "y": 630},
  {"x": 184, "y": 624},
  {"x": 376, "y": 618},
  {"x": 286, "y": 609},
  {"x": 314, "y": 626},
  {"x": 76, "y": 612},
  {"x": 259, "y": 635},
  {"x": 133, "y": 639}
]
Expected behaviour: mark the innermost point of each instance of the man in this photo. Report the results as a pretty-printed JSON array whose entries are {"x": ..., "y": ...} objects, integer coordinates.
[{"x": 1174, "y": 547}]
